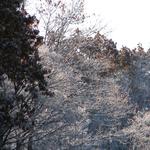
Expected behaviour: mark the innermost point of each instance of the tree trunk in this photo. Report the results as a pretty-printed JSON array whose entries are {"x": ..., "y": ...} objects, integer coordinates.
[
  {"x": 30, "y": 143},
  {"x": 19, "y": 145}
]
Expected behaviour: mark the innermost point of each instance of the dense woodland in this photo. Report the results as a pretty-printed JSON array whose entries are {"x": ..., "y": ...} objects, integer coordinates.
[{"x": 76, "y": 92}]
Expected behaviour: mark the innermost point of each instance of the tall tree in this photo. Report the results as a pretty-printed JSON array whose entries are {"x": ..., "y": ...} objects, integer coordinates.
[{"x": 21, "y": 74}]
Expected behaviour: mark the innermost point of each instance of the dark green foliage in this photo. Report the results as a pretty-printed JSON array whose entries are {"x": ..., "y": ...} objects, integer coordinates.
[
  {"x": 19, "y": 60},
  {"x": 19, "y": 65}
]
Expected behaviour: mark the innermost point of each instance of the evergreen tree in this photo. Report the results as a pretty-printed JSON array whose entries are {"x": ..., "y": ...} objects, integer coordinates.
[{"x": 21, "y": 74}]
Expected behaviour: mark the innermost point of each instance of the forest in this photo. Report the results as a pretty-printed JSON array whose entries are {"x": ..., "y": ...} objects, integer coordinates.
[{"x": 71, "y": 89}]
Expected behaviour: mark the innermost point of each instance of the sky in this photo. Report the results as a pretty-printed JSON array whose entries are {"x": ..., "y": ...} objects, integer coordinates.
[{"x": 128, "y": 20}]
